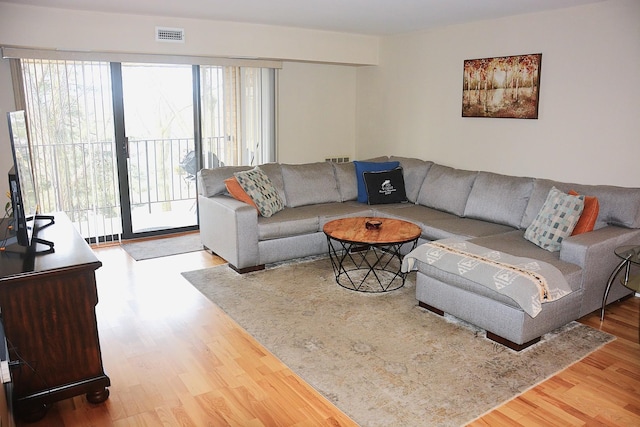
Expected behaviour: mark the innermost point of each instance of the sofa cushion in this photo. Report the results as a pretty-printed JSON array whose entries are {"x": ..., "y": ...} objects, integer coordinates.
[
  {"x": 259, "y": 187},
  {"x": 618, "y": 205},
  {"x": 436, "y": 224},
  {"x": 414, "y": 170},
  {"x": 499, "y": 198},
  {"x": 377, "y": 159},
  {"x": 211, "y": 181},
  {"x": 556, "y": 220},
  {"x": 289, "y": 222},
  {"x": 461, "y": 281},
  {"x": 274, "y": 172},
  {"x": 237, "y": 192},
  {"x": 515, "y": 244},
  {"x": 309, "y": 184},
  {"x": 362, "y": 167},
  {"x": 307, "y": 219},
  {"x": 330, "y": 211},
  {"x": 455, "y": 226},
  {"x": 589, "y": 215},
  {"x": 345, "y": 174},
  {"x": 417, "y": 214},
  {"x": 385, "y": 187},
  {"x": 446, "y": 189}
]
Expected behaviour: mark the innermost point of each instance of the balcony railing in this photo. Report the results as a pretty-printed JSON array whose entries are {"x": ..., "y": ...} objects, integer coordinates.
[
  {"x": 81, "y": 179},
  {"x": 156, "y": 174}
]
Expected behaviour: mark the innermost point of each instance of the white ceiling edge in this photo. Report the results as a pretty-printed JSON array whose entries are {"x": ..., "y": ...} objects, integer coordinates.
[{"x": 367, "y": 17}]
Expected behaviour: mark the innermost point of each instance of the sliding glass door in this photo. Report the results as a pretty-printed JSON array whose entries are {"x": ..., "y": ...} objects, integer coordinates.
[
  {"x": 158, "y": 144},
  {"x": 117, "y": 145}
]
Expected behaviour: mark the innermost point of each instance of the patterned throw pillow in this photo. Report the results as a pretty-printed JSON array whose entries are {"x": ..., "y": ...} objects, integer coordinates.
[
  {"x": 556, "y": 220},
  {"x": 261, "y": 190},
  {"x": 385, "y": 186}
]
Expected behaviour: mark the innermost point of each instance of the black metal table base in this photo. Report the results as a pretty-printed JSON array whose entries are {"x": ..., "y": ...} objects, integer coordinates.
[
  {"x": 626, "y": 264},
  {"x": 367, "y": 268}
]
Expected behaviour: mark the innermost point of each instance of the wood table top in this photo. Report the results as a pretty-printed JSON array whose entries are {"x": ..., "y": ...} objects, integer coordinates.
[
  {"x": 354, "y": 230},
  {"x": 71, "y": 251}
]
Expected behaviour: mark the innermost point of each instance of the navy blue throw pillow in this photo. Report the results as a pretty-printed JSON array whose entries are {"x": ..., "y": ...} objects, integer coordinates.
[{"x": 362, "y": 167}]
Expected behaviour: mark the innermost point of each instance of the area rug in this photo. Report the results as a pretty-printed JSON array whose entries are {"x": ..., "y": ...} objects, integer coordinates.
[
  {"x": 380, "y": 358},
  {"x": 166, "y": 246}
]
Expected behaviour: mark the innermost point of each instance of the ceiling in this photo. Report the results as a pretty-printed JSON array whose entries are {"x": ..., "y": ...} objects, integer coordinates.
[{"x": 372, "y": 17}]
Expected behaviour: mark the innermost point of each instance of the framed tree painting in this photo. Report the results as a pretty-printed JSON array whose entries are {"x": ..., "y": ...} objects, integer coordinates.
[{"x": 507, "y": 86}]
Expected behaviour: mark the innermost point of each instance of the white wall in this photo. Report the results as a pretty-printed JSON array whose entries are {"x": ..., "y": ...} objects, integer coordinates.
[
  {"x": 316, "y": 101},
  {"x": 65, "y": 29},
  {"x": 317, "y": 105},
  {"x": 588, "y": 128}
]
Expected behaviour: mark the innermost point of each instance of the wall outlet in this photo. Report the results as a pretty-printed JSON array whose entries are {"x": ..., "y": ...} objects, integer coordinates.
[{"x": 337, "y": 159}]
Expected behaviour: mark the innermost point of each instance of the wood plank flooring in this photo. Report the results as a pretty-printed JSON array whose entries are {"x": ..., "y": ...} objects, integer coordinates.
[
  {"x": 601, "y": 390},
  {"x": 175, "y": 359}
]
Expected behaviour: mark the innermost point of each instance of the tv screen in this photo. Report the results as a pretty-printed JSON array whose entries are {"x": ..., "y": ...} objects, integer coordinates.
[{"x": 21, "y": 182}]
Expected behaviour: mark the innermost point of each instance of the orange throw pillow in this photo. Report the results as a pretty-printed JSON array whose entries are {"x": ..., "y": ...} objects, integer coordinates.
[
  {"x": 589, "y": 215},
  {"x": 237, "y": 192}
]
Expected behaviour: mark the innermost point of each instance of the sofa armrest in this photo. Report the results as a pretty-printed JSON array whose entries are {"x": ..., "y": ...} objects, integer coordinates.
[
  {"x": 229, "y": 228},
  {"x": 594, "y": 253},
  {"x": 587, "y": 248}
]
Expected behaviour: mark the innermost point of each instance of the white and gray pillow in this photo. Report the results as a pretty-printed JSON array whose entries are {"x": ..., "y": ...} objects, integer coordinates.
[
  {"x": 556, "y": 220},
  {"x": 261, "y": 190}
]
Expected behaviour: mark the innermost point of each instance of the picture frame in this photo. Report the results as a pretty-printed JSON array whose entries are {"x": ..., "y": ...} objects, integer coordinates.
[{"x": 502, "y": 87}]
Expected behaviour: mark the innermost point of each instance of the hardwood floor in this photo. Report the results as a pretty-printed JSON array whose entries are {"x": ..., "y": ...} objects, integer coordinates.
[
  {"x": 601, "y": 390},
  {"x": 175, "y": 359}
]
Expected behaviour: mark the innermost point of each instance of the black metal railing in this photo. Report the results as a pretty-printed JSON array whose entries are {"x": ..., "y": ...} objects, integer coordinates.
[{"x": 82, "y": 180}]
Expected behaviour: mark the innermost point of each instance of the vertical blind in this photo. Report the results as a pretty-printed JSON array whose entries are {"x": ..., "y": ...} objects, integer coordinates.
[
  {"x": 70, "y": 113},
  {"x": 69, "y": 108}
]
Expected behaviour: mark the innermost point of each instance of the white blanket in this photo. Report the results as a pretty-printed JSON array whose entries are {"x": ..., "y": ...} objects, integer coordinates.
[{"x": 528, "y": 282}]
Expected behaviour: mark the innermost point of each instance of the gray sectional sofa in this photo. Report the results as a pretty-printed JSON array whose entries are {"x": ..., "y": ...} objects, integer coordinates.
[{"x": 484, "y": 208}]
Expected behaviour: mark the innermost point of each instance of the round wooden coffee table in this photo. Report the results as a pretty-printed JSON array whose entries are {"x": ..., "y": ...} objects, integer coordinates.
[{"x": 368, "y": 259}]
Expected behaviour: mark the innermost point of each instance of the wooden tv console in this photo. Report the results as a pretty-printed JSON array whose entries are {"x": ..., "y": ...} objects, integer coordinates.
[{"x": 48, "y": 309}]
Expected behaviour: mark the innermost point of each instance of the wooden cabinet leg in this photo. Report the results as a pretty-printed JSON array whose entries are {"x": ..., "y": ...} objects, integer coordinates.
[
  {"x": 33, "y": 414},
  {"x": 98, "y": 396}
]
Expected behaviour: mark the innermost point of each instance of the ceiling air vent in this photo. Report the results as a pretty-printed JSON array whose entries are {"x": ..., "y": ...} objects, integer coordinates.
[{"x": 174, "y": 35}]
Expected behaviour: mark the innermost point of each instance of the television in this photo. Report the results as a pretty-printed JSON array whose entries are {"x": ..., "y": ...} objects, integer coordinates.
[{"x": 24, "y": 199}]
